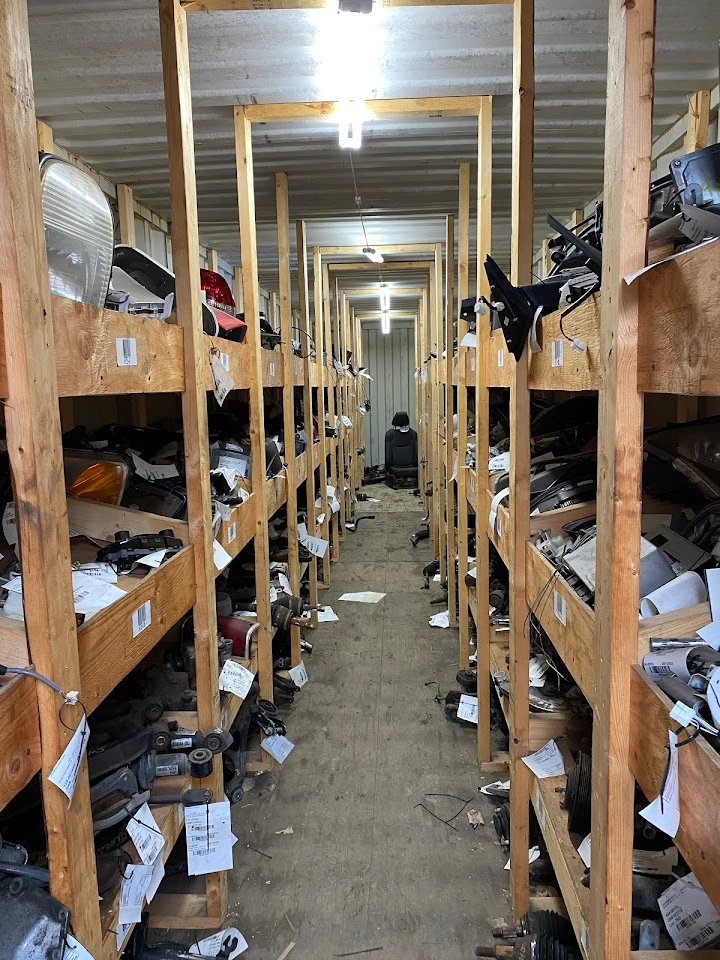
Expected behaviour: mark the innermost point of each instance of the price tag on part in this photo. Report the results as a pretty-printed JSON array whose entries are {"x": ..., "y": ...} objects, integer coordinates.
[
  {"x": 278, "y": 747},
  {"x": 235, "y": 678},
  {"x": 65, "y": 772},
  {"x": 299, "y": 675},
  {"x": 468, "y": 708},
  {"x": 135, "y": 883},
  {"x": 74, "y": 950},
  {"x": 223, "y": 383},
  {"x": 145, "y": 834},
  {"x": 208, "y": 838}
]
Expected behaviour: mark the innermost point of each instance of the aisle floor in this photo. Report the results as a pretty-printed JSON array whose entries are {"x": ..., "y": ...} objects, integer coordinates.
[{"x": 364, "y": 866}]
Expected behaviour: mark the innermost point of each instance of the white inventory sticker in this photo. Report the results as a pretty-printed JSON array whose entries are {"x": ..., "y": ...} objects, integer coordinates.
[
  {"x": 208, "y": 838},
  {"x": 235, "y": 678},
  {"x": 468, "y": 708},
  {"x": 145, "y": 834},
  {"x": 141, "y": 618},
  {"x": 691, "y": 919},
  {"x": 126, "y": 350},
  {"x": 560, "y": 607},
  {"x": 223, "y": 383},
  {"x": 556, "y": 353},
  {"x": 232, "y": 532},
  {"x": 299, "y": 674},
  {"x": 501, "y": 357},
  {"x": 225, "y": 361}
]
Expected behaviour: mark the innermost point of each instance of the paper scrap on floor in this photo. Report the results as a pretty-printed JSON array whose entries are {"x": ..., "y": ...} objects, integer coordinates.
[
  {"x": 546, "y": 762},
  {"x": 533, "y": 855},
  {"x": 491, "y": 789},
  {"x": 327, "y": 615},
  {"x": 364, "y": 596},
  {"x": 440, "y": 620},
  {"x": 212, "y": 945}
]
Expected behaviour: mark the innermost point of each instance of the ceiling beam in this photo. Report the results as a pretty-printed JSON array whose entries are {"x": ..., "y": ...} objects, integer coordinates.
[
  {"x": 391, "y": 265},
  {"x": 329, "y": 109},
  {"x": 208, "y": 6},
  {"x": 372, "y": 292}
]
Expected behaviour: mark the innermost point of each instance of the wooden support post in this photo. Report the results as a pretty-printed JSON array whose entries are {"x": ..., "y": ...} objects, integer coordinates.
[
  {"x": 482, "y": 430},
  {"x": 212, "y": 259},
  {"x": 330, "y": 378},
  {"x": 424, "y": 419},
  {"x": 628, "y": 149},
  {"x": 462, "y": 411},
  {"x": 307, "y": 405},
  {"x": 547, "y": 263},
  {"x": 283, "y": 228},
  {"x": 438, "y": 431},
  {"x": 324, "y": 531},
  {"x": 248, "y": 245},
  {"x": 238, "y": 290},
  {"x": 34, "y": 447},
  {"x": 339, "y": 321},
  {"x": 698, "y": 121},
  {"x": 186, "y": 253},
  {"x": 449, "y": 544},
  {"x": 521, "y": 272},
  {"x": 126, "y": 211}
]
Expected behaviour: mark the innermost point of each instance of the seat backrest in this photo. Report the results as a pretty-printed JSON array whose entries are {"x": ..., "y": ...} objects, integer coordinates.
[{"x": 401, "y": 449}]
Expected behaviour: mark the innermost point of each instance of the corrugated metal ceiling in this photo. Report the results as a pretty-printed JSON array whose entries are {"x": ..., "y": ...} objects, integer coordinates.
[{"x": 98, "y": 83}]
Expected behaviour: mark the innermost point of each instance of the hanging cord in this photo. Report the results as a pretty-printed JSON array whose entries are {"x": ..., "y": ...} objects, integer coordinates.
[
  {"x": 358, "y": 201},
  {"x": 69, "y": 699}
]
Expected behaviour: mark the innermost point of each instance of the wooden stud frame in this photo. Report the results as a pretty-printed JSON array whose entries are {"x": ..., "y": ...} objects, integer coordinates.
[
  {"x": 462, "y": 412},
  {"x": 207, "y": 6},
  {"x": 449, "y": 486}
]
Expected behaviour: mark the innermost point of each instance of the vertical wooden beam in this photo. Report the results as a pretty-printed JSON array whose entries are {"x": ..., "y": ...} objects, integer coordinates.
[
  {"x": 698, "y": 121},
  {"x": 438, "y": 438},
  {"x": 330, "y": 378},
  {"x": 45, "y": 139},
  {"x": 462, "y": 409},
  {"x": 126, "y": 211},
  {"x": 34, "y": 447},
  {"x": 578, "y": 215},
  {"x": 628, "y": 149},
  {"x": 482, "y": 428},
  {"x": 248, "y": 245},
  {"x": 322, "y": 377},
  {"x": 449, "y": 457},
  {"x": 521, "y": 272},
  {"x": 547, "y": 263},
  {"x": 212, "y": 259},
  {"x": 307, "y": 404},
  {"x": 238, "y": 289},
  {"x": 186, "y": 252},
  {"x": 341, "y": 306},
  {"x": 282, "y": 207}
]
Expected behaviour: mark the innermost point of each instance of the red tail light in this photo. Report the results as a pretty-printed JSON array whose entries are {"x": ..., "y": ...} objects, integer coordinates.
[{"x": 217, "y": 291}]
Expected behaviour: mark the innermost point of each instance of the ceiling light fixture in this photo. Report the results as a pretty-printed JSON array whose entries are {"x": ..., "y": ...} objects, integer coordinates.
[
  {"x": 373, "y": 255},
  {"x": 384, "y": 297},
  {"x": 385, "y": 321}
]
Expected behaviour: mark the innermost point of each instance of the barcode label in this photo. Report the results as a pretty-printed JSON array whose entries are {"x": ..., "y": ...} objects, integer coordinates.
[
  {"x": 225, "y": 361},
  {"x": 501, "y": 357},
  {"x": 556, "y": 353},
  {"x": 271, "y": 369},
  {"x": 658, "y": 670},
  {"x": 689, "y": 919},
  {"x": 141, "y": 618},
  {"x": 704, "y": 934},
  {"x": 232, "y": 532},
  {"x": 126, "y": 350},
  {"x": 560, "y": 607}
]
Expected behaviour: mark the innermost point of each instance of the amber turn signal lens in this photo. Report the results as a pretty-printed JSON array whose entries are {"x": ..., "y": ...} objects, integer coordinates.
[{"x": 101, "y": 481}]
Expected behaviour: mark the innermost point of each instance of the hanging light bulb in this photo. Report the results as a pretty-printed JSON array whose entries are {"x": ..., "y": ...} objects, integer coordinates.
[
  {"x": 384, "y": 297},
  {"x": 385, "y": 321},
  {"x": 350, "y": 124}
]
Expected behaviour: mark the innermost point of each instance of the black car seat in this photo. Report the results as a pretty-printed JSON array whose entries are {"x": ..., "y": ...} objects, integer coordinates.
[{"x": 401, "y": 450}]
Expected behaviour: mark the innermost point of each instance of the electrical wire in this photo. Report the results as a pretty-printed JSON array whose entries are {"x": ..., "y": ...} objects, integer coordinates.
[{"x": 358, "y": 200}]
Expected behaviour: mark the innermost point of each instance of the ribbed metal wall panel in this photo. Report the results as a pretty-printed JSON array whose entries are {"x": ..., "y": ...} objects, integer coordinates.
[{"x": 390, "y": 360}]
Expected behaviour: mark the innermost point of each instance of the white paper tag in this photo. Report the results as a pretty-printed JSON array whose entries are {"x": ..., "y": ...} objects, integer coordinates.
[
  {"x": 221, "y": 557},
  {"x": 126, "y": 350},
  {"x": 501, "y": 357},
  {"x": 102, "y": 571},
  {"x": 236, "y": 678},
  {"x": 208, "y": 838},
  {"x": 65, "y": 772},
  {"x": 327, "y": 615},
  {"x": 158, "y": 872},
  {"x": 153, "y": 471},
  {"x": 211, "y": 946},
  {"x": 556, "y": 353},
  {"x": 546, "y": 762},
  {"x": 154, "y": 559},
  {"x": 284, "y": 583},
  {"x": 141, "y": 618},
  {"x": 223, "y": 383},
  {"x": 91, "y": 594},
  {"x": 74, "y": 950},
  {"x": 335, "y": 505},
  {"x": 145, "y": 834},
  {"x": 299, "y": 674},
  {"x": 121, "y": 931},
  {"x": 560, "y": 607},
  {"x": 232, "y": 532},
  {"x": 691, "y": 919},
  {"x": 135, "y": 882},
  {"x": 469, "y": 340},
  {"x": 278, "y": 747},
  {"x": 664, "y": 811},
  {"x": 655, "y": 862},
  {"x": 347, "y": 421},
  {"x": 315, "y": 545},
  {"x": 584, "y": 851},
  {"x": 468, "y": 708},
  {"x": 441, "y": 620}
]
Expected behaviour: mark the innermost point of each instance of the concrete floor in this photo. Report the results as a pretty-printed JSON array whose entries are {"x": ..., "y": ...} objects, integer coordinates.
[{"x": 364, "y": 867}]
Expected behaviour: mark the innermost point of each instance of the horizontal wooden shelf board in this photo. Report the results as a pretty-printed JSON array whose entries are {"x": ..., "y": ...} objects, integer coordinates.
[
  {"x": 20, "y": 759},
  {"x": 101, "y": 521},
  {"x": 235, "y": 534},
  {"x": 86, "y": 352},
  {"x": 499, "y": 361},
  {"x": 575, "y": 639},
  {"x": 699, "y": 774},
  {"x": 566, "y": 861},
  {"x": 558, "y": 366}
]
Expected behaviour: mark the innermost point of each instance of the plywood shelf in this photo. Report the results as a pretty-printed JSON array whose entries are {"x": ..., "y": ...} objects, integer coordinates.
[
  {"x": 566, "y": 861},
  {"x": 699, "y": 775},
  {"x": 235, "y": 533},
  {"x": 499, "y": 362},
  {"x": 86, "y": 352}
]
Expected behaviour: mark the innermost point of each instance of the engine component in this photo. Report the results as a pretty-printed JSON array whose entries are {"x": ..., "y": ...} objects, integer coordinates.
[
  {"x": 193, "y": 797},
  {"x": 578, "y": 795},
  {"x": 106, "y": 759},
  {"x": 153, "y": 764},
  {"x": 33, "y": 925},
  {"x": 120, "y": 812}
]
